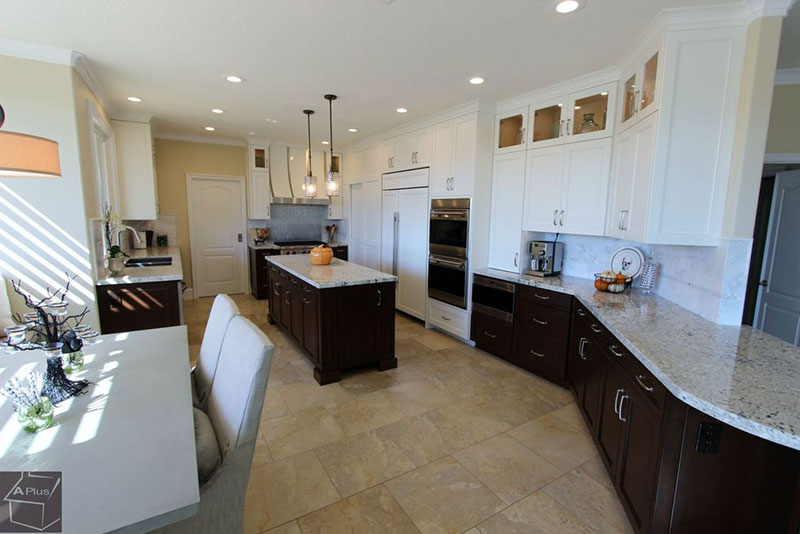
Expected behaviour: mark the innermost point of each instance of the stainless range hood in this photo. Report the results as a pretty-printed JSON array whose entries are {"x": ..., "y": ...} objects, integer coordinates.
[{"x": 286, "y": 176}]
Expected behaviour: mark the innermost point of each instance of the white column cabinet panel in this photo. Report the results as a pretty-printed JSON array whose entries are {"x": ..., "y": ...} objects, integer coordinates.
[
  {"x": 584, "y": 189},
  {"x": 297, "y": 170},
  {"x": 417, "y": 148},
  {"x": 442, "y": 158},
  {"x": 453, "y": 154},
  {"x": 543, "y": 179},
  {"x": 506, "y": 213},
  {"x": 279, "y": 171},
  {"x": 136, "y": 172}
]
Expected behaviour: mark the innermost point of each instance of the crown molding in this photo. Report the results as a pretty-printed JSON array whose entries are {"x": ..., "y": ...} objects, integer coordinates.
[
  {"x": 36, "y": 52},
  {"x": 85, "y": 71},
  {"x": 600, "y": 77},
  {"x": 787, "y": 77},
  {"x": 194, "y": 138}
]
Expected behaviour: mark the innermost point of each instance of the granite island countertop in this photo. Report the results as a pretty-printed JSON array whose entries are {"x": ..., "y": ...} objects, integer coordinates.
[
  {"x": 737, "y": 374},
  {"x": 140, "y": 275},
  {"x": 338, "y": 273}
]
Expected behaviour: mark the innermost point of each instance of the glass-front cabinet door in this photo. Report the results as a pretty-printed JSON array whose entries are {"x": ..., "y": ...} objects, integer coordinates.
[
  {"x": 649, "y": 76},
  {"x": 589, "y": 112},
  {"x": 259, "y": 158},
  {"x": 510, "y": 131},
  {"x": 639, "y": 89},
  {"x": 547, "y": 123},
  {"x": 629, "y": 98}
]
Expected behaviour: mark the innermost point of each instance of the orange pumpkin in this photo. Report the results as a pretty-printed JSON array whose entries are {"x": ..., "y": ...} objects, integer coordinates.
[
  {"x": 321, "y": 255},
  {"x": 601, "y": 284}
]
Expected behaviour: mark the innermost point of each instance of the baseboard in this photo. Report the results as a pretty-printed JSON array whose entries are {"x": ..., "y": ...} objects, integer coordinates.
[{"x": 188, "y": 294}]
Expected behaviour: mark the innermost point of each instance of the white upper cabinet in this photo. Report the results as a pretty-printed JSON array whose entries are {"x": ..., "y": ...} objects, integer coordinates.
[
  {"x": 590, "y": 113},
  {"x": 138, "y": 194},
  {"x": 505, "y": 234},
  {"x": 566, "y": 188},
  {"x": 641, "y": 84},
  {"x": 279, "y": 170},
  {"x": 258, "y": 156},
  {"x": 259, "y": 195},
  {"x": 547, "y": 122},
  {"x": 509, "y": 131},
  {"x": 407, "y": 151},
  {"x": 453, "y": 157}
]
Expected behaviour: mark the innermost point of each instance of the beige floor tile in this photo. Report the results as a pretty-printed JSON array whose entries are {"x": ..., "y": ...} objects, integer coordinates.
[
  {"x": 287, "y": 489},
  {"x": 479, "y": 420},
  {"x": 536, "y": 514},
  {"x": 562, "y": 444},
  {"x": 418, "y": 396},
  {"x": 570, "y": 414},
  {"x": 410, "y": 349},
  {"x": 301, "y": 431},
  {"x": 547, "y": 391},
  {"x": 507, "y": 467},
  {"x": 360, "y": 462},
  {"x": 261, "y": 454},
  {"x": 595, "y": 504},
  {"x": 366, "y": 412},
  {"x": 287, "y": 528},
  {"x": 436, "y": 340},
  {"x": 368, "y": 380},
  {"x": 273, "y": 404},
  {"x": 596, "y": 469},
  {"x": 466, "y": 384},
  {"x": 309, "y": 394},
  {"x": 428, "y": 437},
  {"x": 473, "y": 530},
  {"x": 372, "y": 511},
  {"x": 443, "y": 497}
]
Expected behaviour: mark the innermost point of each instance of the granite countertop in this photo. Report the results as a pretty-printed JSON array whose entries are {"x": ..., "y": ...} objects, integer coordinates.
[
  {"x": 137, "y": 275},
  {"x": 737, "y": 374},
  {"x": 338, "y": 273}
]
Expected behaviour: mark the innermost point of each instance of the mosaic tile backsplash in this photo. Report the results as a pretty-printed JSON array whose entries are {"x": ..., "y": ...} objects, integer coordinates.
[{"x": 295, "y": 222}]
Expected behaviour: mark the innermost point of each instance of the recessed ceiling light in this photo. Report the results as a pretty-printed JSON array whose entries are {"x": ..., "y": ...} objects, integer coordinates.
[
  {"x": 134, "y": 99},
  {"x": 352, "y": 130},
  {"x": 577, "y": 107},
  {"x": 251, "y": 133},
  {"x": 567, "y": 6},
  {"x": 401, "y": 110},
  {"x": 476, "y": 80},
  {"x": 604, "y": 93},
  {"x": 217, "y": 110},
  {"x": 325, "y": 142},
  {"x": 274, "y": 121},
  {"x": 234, "y": 79},
  {"x": 210, "y": 128}
]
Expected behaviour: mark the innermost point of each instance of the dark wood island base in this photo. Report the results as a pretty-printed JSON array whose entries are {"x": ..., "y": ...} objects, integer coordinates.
[{"x": 338, "y": 328}]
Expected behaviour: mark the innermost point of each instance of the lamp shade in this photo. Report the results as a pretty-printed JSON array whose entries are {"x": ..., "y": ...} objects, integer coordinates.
[{"x": 28, "y": 156}]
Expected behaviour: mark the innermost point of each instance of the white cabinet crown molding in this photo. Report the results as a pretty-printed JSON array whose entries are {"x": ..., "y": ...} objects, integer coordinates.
[
  {"x": 592, "y": 79},
  {"x": 787, "y": 77}
]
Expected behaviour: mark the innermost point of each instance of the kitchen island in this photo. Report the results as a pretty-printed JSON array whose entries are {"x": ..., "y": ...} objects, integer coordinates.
[{"x": 341, "y": 315}]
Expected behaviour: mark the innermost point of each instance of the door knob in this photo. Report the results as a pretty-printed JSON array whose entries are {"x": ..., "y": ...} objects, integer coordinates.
[{"x": 763, "y": 283}]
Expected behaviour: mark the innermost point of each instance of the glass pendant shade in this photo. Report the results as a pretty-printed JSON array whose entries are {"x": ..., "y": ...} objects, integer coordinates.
[
  {"x": 310, "y": 186},
  {"x": 28, "y": 156},
  {"x": 333, "y": 184}
]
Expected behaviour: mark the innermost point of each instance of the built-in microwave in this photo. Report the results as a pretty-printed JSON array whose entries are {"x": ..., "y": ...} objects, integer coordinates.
[
  {"x": 449, "y": 228},
  {"x": 493, "y": 297}
]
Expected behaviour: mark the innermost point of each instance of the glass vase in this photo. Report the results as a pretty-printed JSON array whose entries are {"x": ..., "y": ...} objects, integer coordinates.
[
  {"x": 73, "y": 361},
  {"x": 588, "y": 124},
  {"x": 116, "y": 266},
  {"x": 37, "y": 417}
]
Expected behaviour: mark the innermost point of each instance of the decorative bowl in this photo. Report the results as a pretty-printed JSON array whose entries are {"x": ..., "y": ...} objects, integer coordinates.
[
  {"x": 611, "y": 282},
  {"x": 321, "y": 255}
]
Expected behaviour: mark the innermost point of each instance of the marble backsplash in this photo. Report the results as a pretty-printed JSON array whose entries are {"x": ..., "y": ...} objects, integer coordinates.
[
  {"x": 295, "y": 222},
  {"x": 710, "y": 281}
]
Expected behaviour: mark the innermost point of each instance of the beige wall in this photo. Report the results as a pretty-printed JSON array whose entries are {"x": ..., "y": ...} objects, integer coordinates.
[
  {"x": 43, "y": 227},
  {"x": 174, "y": 159},
  {"x": 784, "y": 135}
]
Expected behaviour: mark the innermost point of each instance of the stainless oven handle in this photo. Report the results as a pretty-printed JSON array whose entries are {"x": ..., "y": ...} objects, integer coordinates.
[
  {"x": 449, "y": 215},
  {"x": 507, "y": 287},
  {"x": 396, "y": 241},
  {"x": 459, "y": 265}
]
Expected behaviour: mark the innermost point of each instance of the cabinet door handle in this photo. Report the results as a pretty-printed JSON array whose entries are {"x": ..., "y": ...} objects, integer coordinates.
[
  {"x": 537, "y": 354},
  {"x": 277, "y": 292},
  {"x": 516, "y": 259},
  {"x": 581, "y": 347},
  {"x": 596, "y": 329},
  {"x": 561, "y": 219},
  {"x": 621, "y": 403},
  {"x": 445, "y": 318},
  {"x": 289, "y": 298},
  {"x": 489, "y": 334},
  {"x": 624, "y": 217},
  {"x": 380, "y": 297},
  {"x": 568, "y": 123},
  {"x": 561, "y": 129},
  {"x": 615, "y": 352},
  {"x": 523, "y": 136},
  {"x": 306, "y": 301},
  {"x": 616, "y": 401},
  {"x": 581, "y": 312},
  {"x": 541, "y": 297},
  {"x": 648, "y": 389},
  {"x": 555, "y": 217},
  {"x": 619, "y": 222},
  {"x": 636, "y": 102},
  {"x": 537, "y": 321}
]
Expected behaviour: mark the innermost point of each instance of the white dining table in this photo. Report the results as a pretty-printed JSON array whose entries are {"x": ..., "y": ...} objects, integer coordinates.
[{"x": 126, "y": 447}]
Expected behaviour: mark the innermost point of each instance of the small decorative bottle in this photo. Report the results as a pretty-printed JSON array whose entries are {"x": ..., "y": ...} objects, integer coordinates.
[
  {"x": 588, "y": 124},
  {"x": 649, "y": 272}
]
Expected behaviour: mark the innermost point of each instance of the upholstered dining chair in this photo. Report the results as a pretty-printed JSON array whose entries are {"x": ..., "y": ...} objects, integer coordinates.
[
  {"x": 222, "y": 311},
  {"x": 234, "y": 408}
]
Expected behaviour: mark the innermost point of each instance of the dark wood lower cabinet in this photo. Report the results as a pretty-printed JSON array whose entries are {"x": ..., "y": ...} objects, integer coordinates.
[
  {"x": 259, "y": 271},
  {"x": 492, "y": 334},
  {"x": 337, "y": 328},
  {"x": 609, "y": 423},
  {"x": 130, "y": 307}
]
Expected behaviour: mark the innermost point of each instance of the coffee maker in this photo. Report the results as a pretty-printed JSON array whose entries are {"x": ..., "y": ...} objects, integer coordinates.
[{"x": 546, "y": 258}]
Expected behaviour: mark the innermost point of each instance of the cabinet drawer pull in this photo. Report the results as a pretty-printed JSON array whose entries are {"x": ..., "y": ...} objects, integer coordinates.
[
  {"x": 581, "y": 347},
  {"x": 490, "y": 334},
  {"x": 596, "y": 329},
  {"x": 555, "y": 217},
  {"x": 621, "y": 402},
  {"x": 616, "y": 401},
  {"x": 277, "y": 292},
  {"x": 541, "y": 297},
  {"x": 536, "y": 353},
  {"x": 581, "y": 312},
  {"x": 306, "y": 301},
  {"x": 445, "y": 318},
  {"x": 561, "y": 219},
  {"x": 648, "y": 389},
  {"x": 380, "y": 297},
  {"x": 537, "y": 321},
  {"x": 615, "y": 352}
]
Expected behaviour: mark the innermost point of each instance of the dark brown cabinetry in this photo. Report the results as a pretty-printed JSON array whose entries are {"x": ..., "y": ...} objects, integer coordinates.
[
  {"x": 259, "y": 271},
  {"x": 492, "y": 334},
  {"x": 337, "y": 328},
  {"x": 340, "y": 251},
  {"x": 541, "y": 332},
  {"x": 130, "y": 307}
]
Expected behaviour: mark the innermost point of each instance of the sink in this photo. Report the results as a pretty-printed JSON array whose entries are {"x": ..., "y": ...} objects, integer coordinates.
[{"x": 149, "y": 261}]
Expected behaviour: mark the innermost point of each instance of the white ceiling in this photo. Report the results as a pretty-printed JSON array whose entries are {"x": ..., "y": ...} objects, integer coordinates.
[{"x": 413, "y": 53}]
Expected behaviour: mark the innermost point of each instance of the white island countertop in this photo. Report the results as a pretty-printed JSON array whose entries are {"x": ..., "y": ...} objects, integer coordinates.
[
  {"x": 141, "y": 275},
  {"x": 737, "y": 374},
  {"x": 338, "y": 273}
]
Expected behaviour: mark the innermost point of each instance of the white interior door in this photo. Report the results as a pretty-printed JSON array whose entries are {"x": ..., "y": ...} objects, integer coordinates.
[
  {"x": 508, "y": 186},
  {"x": 217, "y": 228},
  {"x": 778, "y": 308},
  {"x": 412, "y": 251},
  {"x": 390, "y": 218}
]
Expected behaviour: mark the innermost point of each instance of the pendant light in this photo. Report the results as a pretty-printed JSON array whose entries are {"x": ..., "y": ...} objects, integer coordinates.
[
  {"x": 27, "y": 156},
  {"x": 310, "y": 181},
  {"x": 333, "y": 180}
]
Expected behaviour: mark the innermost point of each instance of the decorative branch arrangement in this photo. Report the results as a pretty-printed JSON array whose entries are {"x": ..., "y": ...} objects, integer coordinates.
[
  {"x": 112, "y": 223},
  {"x": 49, "y": 328}
]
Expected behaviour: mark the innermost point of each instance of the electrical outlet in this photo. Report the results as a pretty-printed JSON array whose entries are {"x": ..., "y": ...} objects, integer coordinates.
[{"x": 708, "y": 437}]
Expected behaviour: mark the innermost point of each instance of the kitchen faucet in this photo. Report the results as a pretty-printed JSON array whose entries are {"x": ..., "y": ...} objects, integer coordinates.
[{"x": 135, "y": 234}]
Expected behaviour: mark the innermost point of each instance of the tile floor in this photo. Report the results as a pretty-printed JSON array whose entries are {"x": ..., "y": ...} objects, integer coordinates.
[{"x": 452, "y": 441}]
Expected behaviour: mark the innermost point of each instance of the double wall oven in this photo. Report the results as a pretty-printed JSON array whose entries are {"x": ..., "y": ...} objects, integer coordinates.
[{"x": 448, "y": 254}]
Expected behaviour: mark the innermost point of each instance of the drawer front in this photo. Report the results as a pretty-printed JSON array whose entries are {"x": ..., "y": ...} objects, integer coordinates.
[
  {"x": 492, "y": 335},
  {"x": 548, "y": 323},
  {"x": 649, "y": 384},
  {"x": 448, "y": 318},
  {"x": 553, "y": 299},
  {"x": 541, "y": 357}
]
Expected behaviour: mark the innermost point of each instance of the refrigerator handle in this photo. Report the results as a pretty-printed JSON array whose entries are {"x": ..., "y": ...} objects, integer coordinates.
[{"x": 396, "y": 240}]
